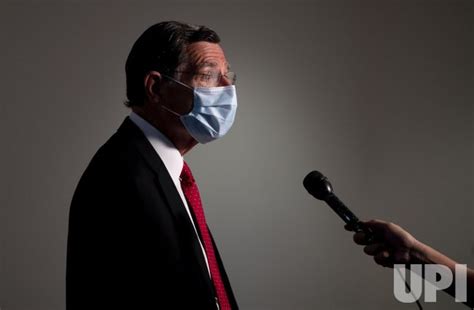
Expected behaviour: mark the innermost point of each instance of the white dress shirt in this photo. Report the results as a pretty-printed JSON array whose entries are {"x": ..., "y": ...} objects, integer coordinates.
[{"x": 173, "y": 161}]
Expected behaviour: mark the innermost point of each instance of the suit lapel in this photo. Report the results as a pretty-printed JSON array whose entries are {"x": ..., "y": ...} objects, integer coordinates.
[{"x": 166, "y": 185}]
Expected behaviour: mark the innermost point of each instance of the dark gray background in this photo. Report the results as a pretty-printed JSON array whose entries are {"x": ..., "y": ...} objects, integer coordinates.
[{"x": 378, "y": 95}]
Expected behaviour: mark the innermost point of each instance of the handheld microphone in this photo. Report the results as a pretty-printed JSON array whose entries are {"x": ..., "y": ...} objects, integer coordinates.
[{"x": 320, "y": 187}]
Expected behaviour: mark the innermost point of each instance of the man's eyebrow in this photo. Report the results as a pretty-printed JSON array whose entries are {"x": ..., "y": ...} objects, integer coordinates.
[{"x": 206, "y": 64}]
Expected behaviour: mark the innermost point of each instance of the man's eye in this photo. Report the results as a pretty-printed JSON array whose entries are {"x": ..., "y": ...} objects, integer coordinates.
[{"x": 206, "y": 77}]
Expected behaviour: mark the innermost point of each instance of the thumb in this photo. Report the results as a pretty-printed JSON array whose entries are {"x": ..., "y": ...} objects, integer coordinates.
[{"x": 378, "y": 226}]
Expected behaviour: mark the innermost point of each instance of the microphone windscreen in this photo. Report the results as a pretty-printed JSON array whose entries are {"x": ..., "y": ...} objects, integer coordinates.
[{"x": 317, "y": 185}]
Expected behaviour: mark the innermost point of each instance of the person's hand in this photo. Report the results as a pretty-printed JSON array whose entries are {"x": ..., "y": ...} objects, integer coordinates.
[{"x": 391, "y": 244}]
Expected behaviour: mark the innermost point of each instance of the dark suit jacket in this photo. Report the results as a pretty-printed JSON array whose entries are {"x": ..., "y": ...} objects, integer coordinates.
[{"x": 131, "y": 244}]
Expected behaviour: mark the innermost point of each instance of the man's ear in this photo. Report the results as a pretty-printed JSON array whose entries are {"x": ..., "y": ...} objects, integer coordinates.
[{"x": 152, "y": 84}]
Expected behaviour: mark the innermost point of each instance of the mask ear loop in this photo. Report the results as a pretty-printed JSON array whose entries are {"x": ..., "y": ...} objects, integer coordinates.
[
  {"x": 169, "y": 110},
  {"x": 180, "y": 83}
]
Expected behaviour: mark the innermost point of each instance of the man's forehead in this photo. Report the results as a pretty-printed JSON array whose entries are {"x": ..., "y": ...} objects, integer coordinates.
[{"x": 205, "y": 54}]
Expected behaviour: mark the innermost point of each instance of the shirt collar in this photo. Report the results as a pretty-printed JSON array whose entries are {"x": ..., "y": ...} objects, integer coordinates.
[{"x": 168, "y": 153}]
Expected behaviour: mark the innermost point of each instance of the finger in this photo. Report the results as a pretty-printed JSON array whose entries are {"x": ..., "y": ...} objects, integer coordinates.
[
  {"x": 402, "y": 257},
  {"x": 361, "y": 238},
  {"x": 383, "y": 258},
  {"x": 374, "y": 249},
  {"x": 348, "y": 227}
]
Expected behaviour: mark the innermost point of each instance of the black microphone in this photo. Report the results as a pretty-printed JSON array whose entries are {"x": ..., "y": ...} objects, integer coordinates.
[{"x": 320, "y": 187}]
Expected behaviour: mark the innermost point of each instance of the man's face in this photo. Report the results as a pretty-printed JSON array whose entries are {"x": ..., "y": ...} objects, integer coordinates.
[
  {"x": 203, "y": 68},
  {"x": 205, "y": 62}
]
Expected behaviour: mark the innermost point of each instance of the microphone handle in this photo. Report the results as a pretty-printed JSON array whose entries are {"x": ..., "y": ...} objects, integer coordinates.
[
  {"x": 340, "y": 208},
  {"x": 347, "y": 216}
]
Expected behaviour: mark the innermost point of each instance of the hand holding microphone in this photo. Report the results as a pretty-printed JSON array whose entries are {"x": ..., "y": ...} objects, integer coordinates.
[
  {"x": 388, "y": 243},
  {"x": 392, "y": 245}
]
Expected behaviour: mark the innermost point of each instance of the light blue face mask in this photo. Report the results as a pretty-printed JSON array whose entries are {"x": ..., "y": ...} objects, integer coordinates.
[{"x": 213, "y": 112}]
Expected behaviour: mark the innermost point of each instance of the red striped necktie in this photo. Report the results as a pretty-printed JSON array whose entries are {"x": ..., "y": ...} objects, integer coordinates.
[{"x": 191, "y": 192}]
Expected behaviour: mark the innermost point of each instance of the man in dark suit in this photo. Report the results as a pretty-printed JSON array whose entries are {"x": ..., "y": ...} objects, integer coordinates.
[{"x": 138, "y": 238}]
